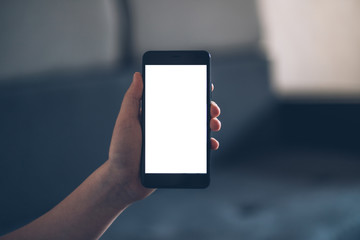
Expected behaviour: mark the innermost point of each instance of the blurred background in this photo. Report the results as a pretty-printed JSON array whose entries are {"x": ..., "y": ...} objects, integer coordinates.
[{"x": 287, "y": 79}]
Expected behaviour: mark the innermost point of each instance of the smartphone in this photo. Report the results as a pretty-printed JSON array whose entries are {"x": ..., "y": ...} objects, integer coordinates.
[{"x": 175, "y": 119}]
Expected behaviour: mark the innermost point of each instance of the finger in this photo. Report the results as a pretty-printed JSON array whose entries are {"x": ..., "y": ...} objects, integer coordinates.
[
  {"x": 214, "y": 109},
  {"x": 131, "y": 102},
  {"x": 215, "y": 124},
  {"x": 214, "y": 144},
  {"x": 212, "y": 87}
]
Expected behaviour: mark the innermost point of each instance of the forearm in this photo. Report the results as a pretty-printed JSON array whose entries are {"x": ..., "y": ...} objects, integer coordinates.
[{"x": 85, "y": 214}]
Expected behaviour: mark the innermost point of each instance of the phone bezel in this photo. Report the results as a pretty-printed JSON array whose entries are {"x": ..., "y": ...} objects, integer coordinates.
[{"x": 173, "y": 180}]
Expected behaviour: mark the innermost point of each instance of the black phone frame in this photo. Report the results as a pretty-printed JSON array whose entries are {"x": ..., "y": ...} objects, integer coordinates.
[{"x": 174, "y": 180}]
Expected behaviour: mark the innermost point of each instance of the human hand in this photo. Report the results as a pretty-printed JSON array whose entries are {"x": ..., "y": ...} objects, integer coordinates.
[
  {"x": 125, "y": 147},
  {"x": 91, "y": 208}
]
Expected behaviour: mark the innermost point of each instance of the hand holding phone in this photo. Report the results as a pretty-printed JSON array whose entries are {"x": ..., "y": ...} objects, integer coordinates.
[{"x": 114, "y": 185}]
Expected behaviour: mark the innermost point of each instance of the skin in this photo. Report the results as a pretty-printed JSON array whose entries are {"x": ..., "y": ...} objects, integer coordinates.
[{"x": 91, "y": 208}]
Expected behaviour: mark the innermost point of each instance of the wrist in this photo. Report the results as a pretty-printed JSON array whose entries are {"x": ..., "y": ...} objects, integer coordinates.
[
  {"x": 126, "y": 180},
  {"x": 115, "y": 183},
  {"x": 122, "y": 183}
]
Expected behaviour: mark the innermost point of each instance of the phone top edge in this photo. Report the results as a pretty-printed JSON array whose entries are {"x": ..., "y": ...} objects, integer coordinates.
[
  {"x": 176, "y": 51},
  {"x": 193, "y": 57},
  {"x": 162, "y": 53}
]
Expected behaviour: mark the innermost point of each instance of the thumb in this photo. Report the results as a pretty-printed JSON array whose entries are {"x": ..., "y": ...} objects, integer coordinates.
[{"x": 131, "y": 102}]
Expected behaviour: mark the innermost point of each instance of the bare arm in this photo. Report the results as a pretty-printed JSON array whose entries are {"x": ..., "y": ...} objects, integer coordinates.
[
  {"x": 91, "y": 208},
  {"x": 84, "y": 214}
]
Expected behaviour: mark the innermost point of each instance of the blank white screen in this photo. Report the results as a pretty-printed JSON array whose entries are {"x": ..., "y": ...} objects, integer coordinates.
[{"x": 175, "y": 119}]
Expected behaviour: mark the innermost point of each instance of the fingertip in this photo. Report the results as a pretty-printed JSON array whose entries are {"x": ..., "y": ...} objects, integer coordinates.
[
  {"x": 137, "y": 84},
  {"x": 214, "y": 144},
  {"x": 137, "y": 77},
  {"x": 215, "y": 124},
  {"x": 215, "y": 109}
]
